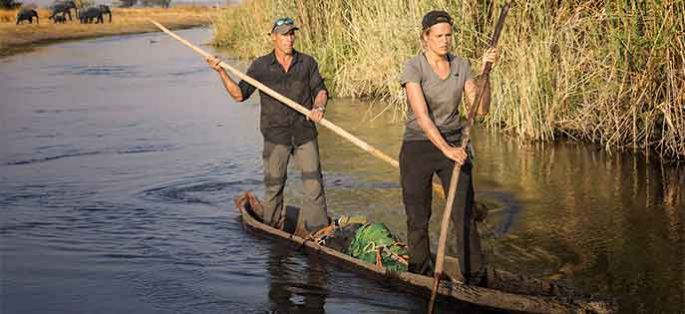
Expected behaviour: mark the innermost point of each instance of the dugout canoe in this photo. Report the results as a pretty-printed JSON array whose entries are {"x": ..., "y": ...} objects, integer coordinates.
[{"x": 505, "y": 291}]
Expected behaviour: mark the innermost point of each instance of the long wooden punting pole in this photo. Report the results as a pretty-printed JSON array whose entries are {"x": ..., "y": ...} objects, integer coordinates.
[
  {"x": 465, "y": 137},
  {"x": 301, "y": 109}
]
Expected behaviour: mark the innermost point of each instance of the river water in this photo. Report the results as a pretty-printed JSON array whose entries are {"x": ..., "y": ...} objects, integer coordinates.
[{"x": 120, "y": 158}]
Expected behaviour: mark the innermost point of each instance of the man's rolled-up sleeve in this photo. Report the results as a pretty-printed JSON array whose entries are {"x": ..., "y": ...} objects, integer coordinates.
[
  {"x": 316, "y": 82},
  {"x": 246, "y": 89}
]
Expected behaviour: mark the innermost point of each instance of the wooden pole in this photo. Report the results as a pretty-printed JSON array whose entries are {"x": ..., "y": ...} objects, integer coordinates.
[
  {"x": 465, "y": 137},
  {"x": 440, "y": 256}
]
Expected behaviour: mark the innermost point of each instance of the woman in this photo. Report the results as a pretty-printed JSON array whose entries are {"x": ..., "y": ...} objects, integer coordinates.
[{"x": 434, "y": 82}]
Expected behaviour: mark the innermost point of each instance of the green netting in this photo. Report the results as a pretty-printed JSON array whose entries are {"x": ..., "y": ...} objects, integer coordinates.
[{"x": 370, "y": 238}]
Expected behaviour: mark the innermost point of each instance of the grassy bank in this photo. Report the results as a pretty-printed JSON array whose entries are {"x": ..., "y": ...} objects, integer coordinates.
[
  {"x": 16, "y": 38},
  {"x": 612, "y": 74}
]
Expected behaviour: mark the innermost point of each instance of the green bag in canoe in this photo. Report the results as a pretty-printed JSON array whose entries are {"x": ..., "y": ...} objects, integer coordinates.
[{"x": 375, "y": 244}]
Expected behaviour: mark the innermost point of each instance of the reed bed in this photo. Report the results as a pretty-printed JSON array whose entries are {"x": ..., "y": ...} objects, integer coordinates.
[{"x": 611, "y": 73}]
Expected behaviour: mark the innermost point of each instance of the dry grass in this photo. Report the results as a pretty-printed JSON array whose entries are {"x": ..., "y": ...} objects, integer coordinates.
[
  {"x": 14, "y": 38},
  {"x": 611, "y": 73}
]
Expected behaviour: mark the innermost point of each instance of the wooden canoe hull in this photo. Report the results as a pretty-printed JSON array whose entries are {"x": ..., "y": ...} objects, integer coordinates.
[{"x": 422, "y": 285}]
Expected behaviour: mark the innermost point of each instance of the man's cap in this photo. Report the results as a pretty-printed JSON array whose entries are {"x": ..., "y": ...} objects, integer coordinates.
[
  {"x": 283, "y": 26},
  {"x": 434, "y": 17}
]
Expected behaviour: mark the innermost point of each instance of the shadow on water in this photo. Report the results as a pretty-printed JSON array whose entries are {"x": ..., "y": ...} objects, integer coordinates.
[{"x": 118, "y": 171}]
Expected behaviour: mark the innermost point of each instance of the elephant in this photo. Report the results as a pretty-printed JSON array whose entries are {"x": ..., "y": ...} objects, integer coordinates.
[
  {"x": 60, "y": 19},
  {"x": 105, "y": 10},
  {"x": 87, "y": 15},
  {"x": 27, "y": 14},
  {"x": 64, "y": 8}
]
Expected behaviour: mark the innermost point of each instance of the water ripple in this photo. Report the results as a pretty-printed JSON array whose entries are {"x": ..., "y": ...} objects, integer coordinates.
[
  {"x": 49, "y": 158},
  {"x": 24, "y": 226},
  {"x": 40, "y": 111},
  {"x": 192, "y": 192},
  {"x": 190, "y": 71},
  {"x": 346, "y": 181},
  {"x": 119, "y": 71},
  {"x": 147, "y": 148},
  {"x": 132, "y": 149}
]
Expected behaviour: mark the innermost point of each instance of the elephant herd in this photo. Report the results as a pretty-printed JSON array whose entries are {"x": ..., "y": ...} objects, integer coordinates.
[{"x": 61, "y": 10}]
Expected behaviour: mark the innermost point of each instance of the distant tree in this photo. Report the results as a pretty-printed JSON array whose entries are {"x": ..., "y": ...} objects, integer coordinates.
[
  {"x": 84, "y": 3},
  {"x": 126, "y": 3},
  {"x": 9, "y": 4},
  {"x": 156, "y": 3}
]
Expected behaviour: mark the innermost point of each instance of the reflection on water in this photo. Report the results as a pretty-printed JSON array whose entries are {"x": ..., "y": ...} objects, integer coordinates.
[
  {"x": 296, "y": 285},
  {"x": 118, "y": 170}
]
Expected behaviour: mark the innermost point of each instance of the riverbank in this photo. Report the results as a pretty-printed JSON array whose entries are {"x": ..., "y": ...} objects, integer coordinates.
[{"x": 19, "y": 38}]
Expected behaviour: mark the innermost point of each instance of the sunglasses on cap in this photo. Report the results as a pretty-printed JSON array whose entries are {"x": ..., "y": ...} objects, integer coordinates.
[{"x": 282, "y": 21}]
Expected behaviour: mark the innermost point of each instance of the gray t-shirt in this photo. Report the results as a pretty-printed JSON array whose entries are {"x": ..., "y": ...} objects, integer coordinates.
[{"x": 442, "y": 96}]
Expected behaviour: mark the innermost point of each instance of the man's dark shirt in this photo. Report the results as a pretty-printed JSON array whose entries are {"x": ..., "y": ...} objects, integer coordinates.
[{"x": 279, "y": 123}]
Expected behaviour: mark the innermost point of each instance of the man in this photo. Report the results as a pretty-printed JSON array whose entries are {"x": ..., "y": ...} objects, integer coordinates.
[{"x": 287, "y": 132}]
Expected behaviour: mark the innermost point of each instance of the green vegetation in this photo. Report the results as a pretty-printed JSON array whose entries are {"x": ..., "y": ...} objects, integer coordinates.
[{"x": 610, "y": 73}]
